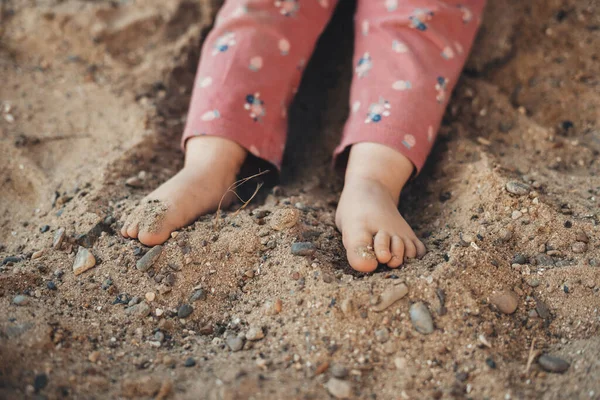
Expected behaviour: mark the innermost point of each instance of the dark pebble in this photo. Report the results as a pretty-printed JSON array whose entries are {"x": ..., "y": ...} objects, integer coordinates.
[
  {"x": 45, "y": 228},
  {"x": 462, "y": 376},
  {"x": 40, "y": 381},
  {"x": 170, "y": 279},
  {"x": 566, "y": 125},
  {"x": 106, "y": 284},
  {"x": 553, "y": 364},
  {"x": 545, "y": 260},
  {"x": 519, "y": 259},
  {"x": 11, "y": 259},
  {"x": 148, "y": 260},
  {"x": 491, "y": 363},
  {"x": 190, "y": 362},
  {"x": 568, "y": 224},
  {"x": 138, "y": 251},
  {"x": 445, "y": 196},
  {"x": 198, "y": 295},
  {"x": 303, "y": 249},
  {"x": 185, "y": 310},
  {"x": 51, "y": 285}
]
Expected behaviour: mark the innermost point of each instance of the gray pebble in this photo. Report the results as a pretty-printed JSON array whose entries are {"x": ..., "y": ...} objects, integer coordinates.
[
  {"x": 579, "y": 247},
  {"x": 59, "y": 237},
  {"x": 20, "y": 300},
  {"x": 519, "y": 259},
  {"x": 518, "y": 188},
  {"x": 382, "y": 335},
  {"x": 553, "y": 364},
  {"x": 140, "y": 310},
  {"x": 146, "y": 262},
  {"x": 533, "y": 282},
  {"x": 338, "y": 371},
  {"x": 235, "y": 343},
  {"x": 159, "y": 336},
  {"x": 189, "y": 362},
  {"x": 184, "y": 311},
  {"x": 303, "y": 249},
  {"x": 51, "y": 285},
  {"x": 134, "y": 300},
  {"x": 581, "y": 236},
  {"x": 421, "y": 318},
  {"x": 545, "y": 260},
  {"x": 199, "y": 294}
]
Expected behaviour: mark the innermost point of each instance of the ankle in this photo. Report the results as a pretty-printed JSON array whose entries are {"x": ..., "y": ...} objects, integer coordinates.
[
  {"x": 218, "y": 154},
  {"x": 378, "y": 164}
]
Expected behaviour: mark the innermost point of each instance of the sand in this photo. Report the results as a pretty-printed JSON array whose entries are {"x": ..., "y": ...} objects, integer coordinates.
[{"x": 94, "y": 94}]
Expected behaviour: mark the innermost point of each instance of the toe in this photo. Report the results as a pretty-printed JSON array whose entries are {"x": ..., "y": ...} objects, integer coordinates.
[
  {"x": 421, "y": 249},
  {"x": 124, "y": 229},
  {"x": 382, "y": 243},
  {"x": 410, "y": 250},
  {"x": 133, "y": 229},
  {"x": 153, "y": 238},
  {"x": 359, "y": 249},
  {"x": 397, "y": 252}
]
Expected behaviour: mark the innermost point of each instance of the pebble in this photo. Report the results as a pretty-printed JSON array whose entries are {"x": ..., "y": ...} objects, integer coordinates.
[
  {"x": 545, "y": 260},
  {"x": 39, "y": 382},
  {"x": 518, "y": 188},
  {"x": 134, "y": 182},
  {"x": 45, "y": 228},
  {"x": 533, "y": 282},
  {"x": 184, "y": 311},
  {"x": 553, "y": 364},
  {"x": 421, "y": 318},
  {"x": 235, "y": 343},
  {"x": 506, "y": 302},
  {"x": 303, "y": 249},
  {"x": 338, "y": 388},
  {"x": 339, "y": 371},
  {"x": 198, "y": 294},
  {"x": 59, "y": 237},
  {"x": 516, "y": 214},
  {"x": 146, "y": 262},
  {"x": 505, "y": 235},
  {"x": 189, "y": 362},
  {"x": 579, "y": 247},
  {"x": 94, "y": 356},
  {"x": 37, "y": 254},
  {"x": 519, "y": 259},
  {"x": 382, "y": 335},
  {"x": 284, "y": 219},
  {"x": 20, "y": 300},
  {"x": 255, "y": 334},
  {"x": 84, "y": 260},
  {"x": 51, "y": 285},
  {"x": 390, "y": 296},
  {"x": 401, "y": 363},
  {"x": 150, "y": 296},
  {"x": 140, "y": 310},
  {"x": 159, "y": 336},
  {"x": 347, "y": 306},
  {"x": 581, "y": 236}
]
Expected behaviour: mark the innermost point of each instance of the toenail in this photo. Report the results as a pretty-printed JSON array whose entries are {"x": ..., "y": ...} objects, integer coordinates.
[{"x": 366, "y": 252}]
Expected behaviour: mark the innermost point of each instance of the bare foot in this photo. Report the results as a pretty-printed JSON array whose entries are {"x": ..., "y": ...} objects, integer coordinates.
[
  {"x": 373, "y": 231},
  {"x": 211, "y": 166}
]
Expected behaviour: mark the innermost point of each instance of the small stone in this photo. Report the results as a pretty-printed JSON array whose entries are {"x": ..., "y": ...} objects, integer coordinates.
[
  {"x": 189, "y": 362},
  {"x": 542, "y": 309},
  {"x": 533, "y": 281},
  {"x": 184, "y": 311},
  {"x": 518, "y": 188},
  {"x": 303, "y": 249},
  {"x": 84, "y": 260},
  {"x": 39, "y": 382},
  {"x": 134, "y": 182},
  {"x": 51, "y": 285},
  {"x": 505, "y": 235},
  {"x": 94, "y": 356},
  {"x": 159, "y": 336},
  {"x": 150, "y": 296},
  {"x": 20, "y": 300},
  {"x": 45, "y": 228},
  {"x": 553, "y": 364},
  {"x": 421, "y": 318},
  {"x": 146, "y": 262},
  {"x": 235, "y": 343},
  {"x": 581, "y": 236},
  {"x": 59, "y": 237},
  {"x": 37, "y": 254},
  {"x": 579, "y": 247},
  {"x": 382, "y": 335},
  {"x": 339, "y": 371},
  {"x": 198, "y": 294},
  {"x": 390, "y": 296},
  {"x": 490, "y": 363},
  {"x": 255, "y": 334},
  {"x": 516, "y": 214},
  {"x": 338, "y": 388},
  {"x": 545, "y": 260},
  {"x": 284, "y": 219},
  {"x": 347, "y": 306},
  {"x": 170, "y": 279},
  {"x": 519, "y": 259},
  {"x": 400, "y": 363},
  {"x": 140, "y": 310},
  {"x": 506, "y": 302}
]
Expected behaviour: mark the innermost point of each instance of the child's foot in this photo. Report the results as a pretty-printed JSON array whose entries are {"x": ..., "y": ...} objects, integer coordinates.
[
  {"x": 373, "y": 231},
  {"x": 211, "y": 166}
]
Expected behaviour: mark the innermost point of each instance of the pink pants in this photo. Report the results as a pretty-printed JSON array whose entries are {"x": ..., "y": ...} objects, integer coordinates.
[{"x": 408, "y": 56}]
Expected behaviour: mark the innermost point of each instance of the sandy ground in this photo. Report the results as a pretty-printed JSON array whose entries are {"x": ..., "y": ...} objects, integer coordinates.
[{"x": 93, "y": 96}]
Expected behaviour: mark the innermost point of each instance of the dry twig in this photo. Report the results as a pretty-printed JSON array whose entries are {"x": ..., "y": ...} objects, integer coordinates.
[{"x": 232, "y": 189}]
